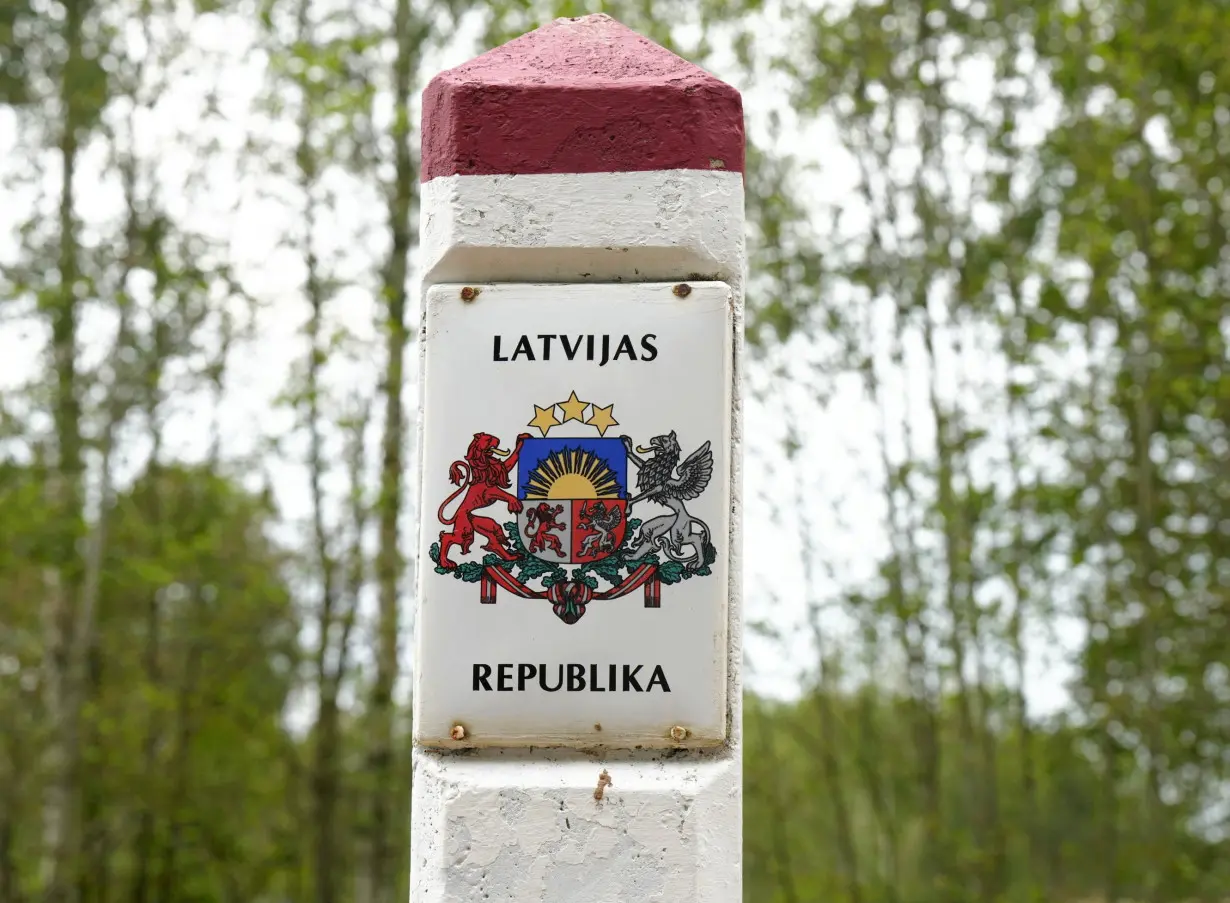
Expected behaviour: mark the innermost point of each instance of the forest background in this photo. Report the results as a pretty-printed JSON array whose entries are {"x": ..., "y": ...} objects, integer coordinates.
[{"x": 989, "y": 578}]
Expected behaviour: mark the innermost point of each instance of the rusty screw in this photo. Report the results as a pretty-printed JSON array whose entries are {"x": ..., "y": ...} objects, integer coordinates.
[
  {"x": 469, "y": 294},
  {"x": 679, "y": 734},
  {"x": 604, "y": 781},
  {"x": 682, "y": 290},
  {"x": 458, "y": 732}
]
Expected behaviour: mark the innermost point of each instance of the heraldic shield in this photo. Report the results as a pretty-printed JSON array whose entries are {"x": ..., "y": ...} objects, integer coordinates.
[
  {"x": 574, "y": 495},
  {"x": 580, "y": 520}
]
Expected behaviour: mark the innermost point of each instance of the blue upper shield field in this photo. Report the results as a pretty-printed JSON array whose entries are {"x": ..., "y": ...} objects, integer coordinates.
[{"x": 610, "y": 452}]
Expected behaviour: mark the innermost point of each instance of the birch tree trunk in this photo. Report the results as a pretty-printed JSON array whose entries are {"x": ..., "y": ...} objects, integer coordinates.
[
  {"x": 390, "y": 566},
  {"x": 60, "y": 633}
]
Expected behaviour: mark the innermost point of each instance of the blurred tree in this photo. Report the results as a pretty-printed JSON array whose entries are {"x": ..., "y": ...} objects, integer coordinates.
[
  {"x": 1037, "y": 263},
  {"x": 197, "y": 656},
  {"x": 1135, "y": 184}
]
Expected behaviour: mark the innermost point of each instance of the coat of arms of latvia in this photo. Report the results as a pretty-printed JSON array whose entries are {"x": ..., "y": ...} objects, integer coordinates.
[{"x": 582, "y": 531}]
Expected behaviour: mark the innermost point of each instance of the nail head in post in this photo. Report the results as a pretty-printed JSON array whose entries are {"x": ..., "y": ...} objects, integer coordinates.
[
  {"x": 679, "y": 734},
  {"x": 458, "y": 732},
  {"x": 469, "y": 293},
  {"x": 682, "y": 290}
]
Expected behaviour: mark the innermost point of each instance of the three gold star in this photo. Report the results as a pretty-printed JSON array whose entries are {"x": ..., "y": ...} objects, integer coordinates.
[{"x": 600, "y": 419}]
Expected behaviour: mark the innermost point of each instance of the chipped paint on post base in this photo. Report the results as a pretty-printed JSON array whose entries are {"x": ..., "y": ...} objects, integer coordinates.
[{"x": 522, "y": 827}]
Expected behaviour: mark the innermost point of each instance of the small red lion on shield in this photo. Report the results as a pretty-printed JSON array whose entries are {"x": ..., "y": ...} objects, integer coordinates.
[{"x": 541, "y": 520}]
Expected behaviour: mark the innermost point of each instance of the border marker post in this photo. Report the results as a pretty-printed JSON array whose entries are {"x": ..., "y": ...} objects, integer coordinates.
[{"x": 580, "y": 164}]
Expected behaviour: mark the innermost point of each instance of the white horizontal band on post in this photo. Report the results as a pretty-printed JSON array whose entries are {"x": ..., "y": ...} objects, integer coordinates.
[{"x": 584, "y": 227}]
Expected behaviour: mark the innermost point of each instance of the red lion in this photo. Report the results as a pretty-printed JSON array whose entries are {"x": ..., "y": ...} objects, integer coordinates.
[
  {"x": 482, "y": 476},
  {"x": 541, "y": 520}
]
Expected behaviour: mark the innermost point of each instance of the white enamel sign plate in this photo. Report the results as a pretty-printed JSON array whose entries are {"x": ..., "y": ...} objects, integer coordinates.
[{"x": 575, "y": 498}]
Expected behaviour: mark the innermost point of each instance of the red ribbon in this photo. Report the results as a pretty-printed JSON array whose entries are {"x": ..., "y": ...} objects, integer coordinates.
[{"x": 569, "y": 597}]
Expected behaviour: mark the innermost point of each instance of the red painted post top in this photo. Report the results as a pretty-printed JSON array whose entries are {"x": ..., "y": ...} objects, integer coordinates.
[{"x": 579, "y": 96}]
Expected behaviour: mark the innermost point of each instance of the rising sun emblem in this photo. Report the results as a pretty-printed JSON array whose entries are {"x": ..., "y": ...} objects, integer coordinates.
[{"x": 572, "y": 473}]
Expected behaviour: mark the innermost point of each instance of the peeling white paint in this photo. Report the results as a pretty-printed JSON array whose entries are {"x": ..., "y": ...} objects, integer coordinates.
[
  {"x": 528, "y": 828},
  {"x": 504, "y": 825}
]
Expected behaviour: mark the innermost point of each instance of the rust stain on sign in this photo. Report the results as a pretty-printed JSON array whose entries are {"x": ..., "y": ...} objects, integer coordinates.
[{"x": 604, "y": 781}]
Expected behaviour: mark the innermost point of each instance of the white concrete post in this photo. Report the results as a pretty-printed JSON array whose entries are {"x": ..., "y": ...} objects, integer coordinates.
[{"x": 558, "y": 169}]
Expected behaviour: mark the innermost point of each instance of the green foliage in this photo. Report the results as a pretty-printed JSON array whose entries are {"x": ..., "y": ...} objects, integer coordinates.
[
  {"x": 1081, "y": 250},
  {"x": 14, "y": 87},
  {"x": 608, "y": 569}
]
